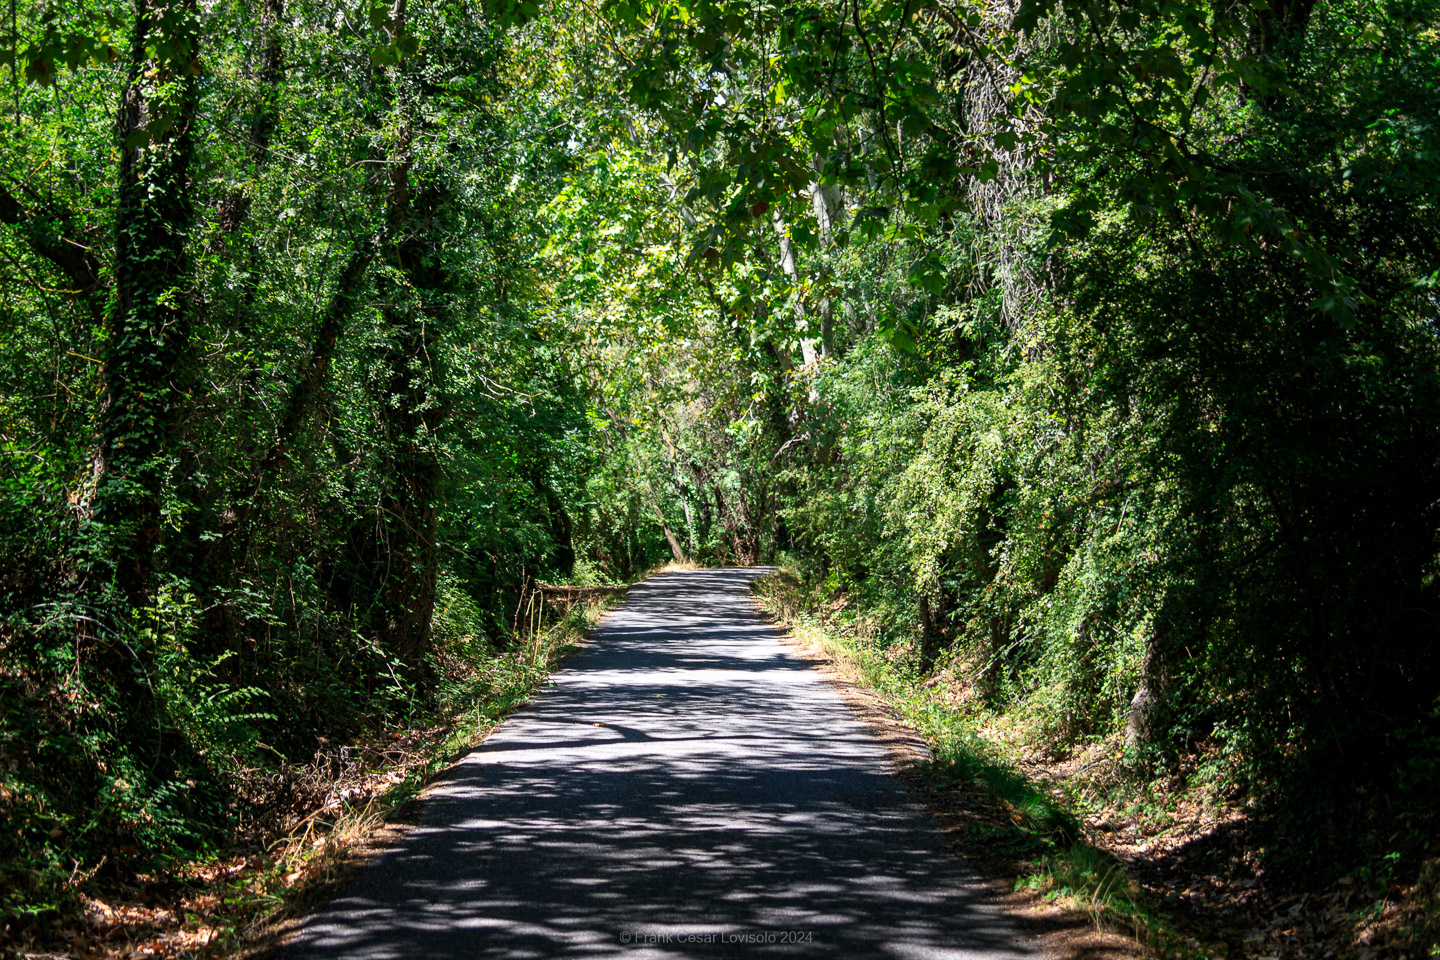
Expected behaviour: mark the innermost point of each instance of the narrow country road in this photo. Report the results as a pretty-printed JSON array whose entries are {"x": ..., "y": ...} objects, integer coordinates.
[{"x": 687, "y": 788}]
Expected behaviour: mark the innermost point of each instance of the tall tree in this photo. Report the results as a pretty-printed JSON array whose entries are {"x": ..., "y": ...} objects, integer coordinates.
[{"x": 150, "y": 321}]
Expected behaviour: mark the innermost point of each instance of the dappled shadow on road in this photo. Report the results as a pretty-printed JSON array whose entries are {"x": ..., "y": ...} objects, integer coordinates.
[{"x": 686, "y": 784}]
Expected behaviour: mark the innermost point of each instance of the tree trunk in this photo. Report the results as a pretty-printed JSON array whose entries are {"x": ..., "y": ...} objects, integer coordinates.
[
  {"x": 150, "y": 321},
  {"x": 270, "y": 71},
  {"x": 407, "y": 512},
  {"x": 299, "y": 407},
  {"x": 674, "y": 458},
  {"x": 787, "y": 264},
  {"x": 827, "y": 204},
  {"x": 322, "y": 350},
  {"x": 932, "y": 637},
  {"x": 676, "y": 550},
  {"x": 1142, "y": 705},
  {"x": 1278, "y": 24}
]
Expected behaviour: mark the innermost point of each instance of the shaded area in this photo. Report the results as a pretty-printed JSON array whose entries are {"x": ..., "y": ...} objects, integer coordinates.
[{"x": 687, "y": 783}]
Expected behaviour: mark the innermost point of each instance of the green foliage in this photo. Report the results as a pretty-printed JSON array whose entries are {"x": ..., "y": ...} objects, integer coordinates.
[
  {"x": 1088, "y": 354},
  {"x": 274, "y": 473},
  {"x": 1122, "y": 423}
]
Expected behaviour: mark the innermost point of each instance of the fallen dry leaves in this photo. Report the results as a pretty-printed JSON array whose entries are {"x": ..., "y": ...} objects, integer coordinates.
[
  {"x": 1199, "y": 857},
  {"x": 317, "y": 813}
]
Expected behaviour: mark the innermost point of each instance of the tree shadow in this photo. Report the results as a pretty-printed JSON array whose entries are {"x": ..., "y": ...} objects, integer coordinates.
[{"x": 686, "y": 783}]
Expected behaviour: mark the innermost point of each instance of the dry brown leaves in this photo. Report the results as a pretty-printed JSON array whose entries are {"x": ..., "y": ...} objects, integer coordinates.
[
  {"x": 309, "y": 818},
  {"x": 1199, "y": 856}
]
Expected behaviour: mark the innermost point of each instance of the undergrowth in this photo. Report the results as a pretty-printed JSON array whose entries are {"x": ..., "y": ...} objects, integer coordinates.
[
  {"x": 308, "y": 860},
  {"x": 231, "y": 887}
]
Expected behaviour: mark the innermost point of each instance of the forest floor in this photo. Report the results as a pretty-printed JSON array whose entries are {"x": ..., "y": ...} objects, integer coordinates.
[
  {"x": 337, "y": 809},
  {"x": 1175, "y": 866}
]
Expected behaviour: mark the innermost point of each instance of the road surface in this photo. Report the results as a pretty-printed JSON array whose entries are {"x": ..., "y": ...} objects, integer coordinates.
[{"x": 688, "y": 787}]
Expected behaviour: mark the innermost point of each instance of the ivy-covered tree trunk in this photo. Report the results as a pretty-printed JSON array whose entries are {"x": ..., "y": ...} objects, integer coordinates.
[
  {"x": 408, "y": 509},
  {"x": 409, "y": 284},
  {"x": 149, "y": 322}
]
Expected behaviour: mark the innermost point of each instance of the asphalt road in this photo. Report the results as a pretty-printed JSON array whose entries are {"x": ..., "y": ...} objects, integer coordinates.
[{"x": 686, "y": 788}]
